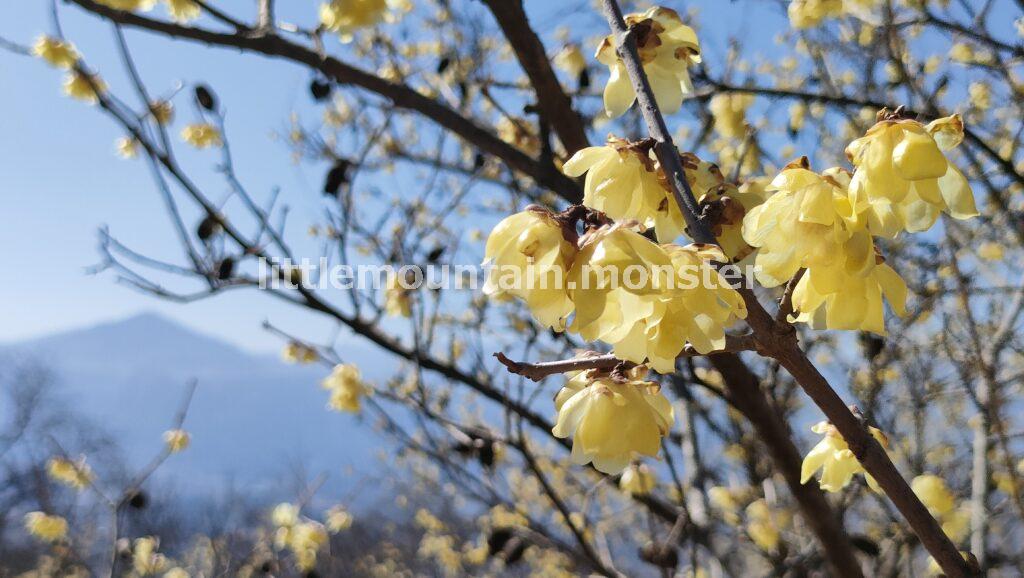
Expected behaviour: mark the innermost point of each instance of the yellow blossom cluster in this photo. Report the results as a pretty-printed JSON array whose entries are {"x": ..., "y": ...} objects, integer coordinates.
[
  {"x": 303, "y": 538},
  {"x": 201, "y": 135},
  {"x": 667, "y": 47},
  {"x": 46, "y": 527},
  {"x": 940, "y": 501},
  {"x": 638, "y": 480},
  {"x": 396, "y": 297},
  {"x": 834, "y": 458},
  {"x": 56, "y": 52},
  {"x": 177, "y": 440},
  {"x": 347, "y": 16},
  {"x": 74, "y": 474},
  {"x": 146, "y": 561},
  {"x": 612, "y": 419},
  {"x": 296, "y": 352},
  {"x": 347, "y": 388}
]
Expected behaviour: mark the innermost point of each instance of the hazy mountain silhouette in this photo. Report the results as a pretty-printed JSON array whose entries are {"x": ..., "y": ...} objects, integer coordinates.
[{"x": 253, "y": 417}]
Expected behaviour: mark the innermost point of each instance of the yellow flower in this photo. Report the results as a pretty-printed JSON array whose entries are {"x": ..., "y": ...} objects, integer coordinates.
[
  {"x": 980, "y": 95},
  {"x": 75, "y": 474},
  {"x": 804, "y": 223},
  {"x": 129, "y": 5},
  {"x": 622, "y": 181},
  {"x": 571, "y": 60},
  {"x": 177, "y": 440},
  {"x": 162, "y": 111},
  {"x": 338, "y": 519},
  {"x": 530, "y": 257},
  {"x": 296, "y": 352},
  {"x": 764, "y": 524},
  {"x": 183, "y": 10},
  {"x": 903, "y": 178},
  {"x": 990, "y": 251},
  {"x": 396, "y": 298},
  {"x": 347, "y": 16},
  {"x": 285, "y": 515},
  {"x": 611, "y": 421},
  {"x": 145, "y": 559},
  {"x": 935, "y": 495},
  {"x": 77, "y": 86},
  {"x": 724, "y": 500},
  {"x": 176, "y": 572},
  {"x": 201, "y": 135},
  {"x": 346, "y": 387},
  {"x": 833, "y": 457},
  {"x": 847, "y": 293},
  {"x": 667, "y": 47},
  {"x": 810, "y": 13},
  {"x": 127, "y": 147},
  {"x": 46, "y": 527},
  {"x": 638, "y": 480},
  {"x": 729, "y": 112},
  {"x": 516, "y": 132},
  {"x": 55, "y": 51}
]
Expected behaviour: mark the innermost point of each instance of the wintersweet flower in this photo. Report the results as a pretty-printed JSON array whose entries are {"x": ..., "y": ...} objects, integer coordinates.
[
  {"x": 338, "y": 519},
  {"x": 696, "y": 310},
  {"x": 146, "y": 561},
  {"x": 804, "y": 223},
  {"x": 183, "y": 10},
  {"x": 836, "y": 461},
  {"x": 177, "y": 440},
  {"x": 764, "y": 524},
  {"x": 347, "y": 16},
  {"x": 162, "y": 111},
  {"x": 347, "y": 388},
  {"x": 904, "y": 179},
  {"x": 396, "y": 298},
  {"x": 531, "y": 256},
  {"x": 667, "y": 47},
  {"x": 638, "y": 480},
  {"x": 571, "y": 60},
  {"x": 129, "y": 5},
  {"x": 46, "y": 527},
  {"x": 935, "y": 495},
  {"x": 127, "y": 147},
  {"x": 56, "y": 52},
  {"x": 296, "y": 352},
  {"x": 285, "y": 514},
  {"x": 201, "y": 135},
  {"x": 74, "y": 474},
  {"x": 622, "y": 181},
  {"x": 729, "y": 112},
  {"x": 86, "y": 89},
  {"x": 810, "y": 13},
  {"x": 610, "y": 421},
  {"x": 847, "y": 293}
]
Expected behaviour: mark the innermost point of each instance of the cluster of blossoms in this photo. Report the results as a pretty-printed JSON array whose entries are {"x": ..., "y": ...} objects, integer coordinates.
[
  {"x": 826, "y": 223},
  {"x": 46, "y": 527},
  {"x": 73, "y": 474},
  {"x": 346, "y": 387},
  {"x": 836, "y": 461},
  {"x": 347, "y": 16},
  {"x": 302, "y": 537},
  {"x": 180, "y": 10},
  {"x": 177, "y": 440}
]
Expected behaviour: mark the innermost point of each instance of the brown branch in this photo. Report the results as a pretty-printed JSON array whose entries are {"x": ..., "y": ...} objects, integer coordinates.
[
  {"x": 399, "y": 94},
  {"x": 554, "y": 102},
  {"x": 540, "y": 370},
  {"x": 779, "y": 341}
]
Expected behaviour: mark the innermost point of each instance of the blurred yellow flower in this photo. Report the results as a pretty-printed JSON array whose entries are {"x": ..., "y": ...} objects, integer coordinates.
[
  {"x": 764, "y": 524},
  {"x": 146, "y": 561},
  {"x": 667, "y": 47},
  {"x": 183, "y": 10},
  {"x": 74, "y": 474},
  {"x": 990, "y": 251},
  {"x": 396, "y": 298},
  {"x": 55, "y": 51},
  {"x": 810, "y": 13},
  {"x": 338, "y": 519},
  {"x": 79, "y": 87},
  {"x": 46, "y": 527},
  {"x": 347, "y": 16},
  {"x": 611, "y": 421},
  {"x": 346, "y": 387},
  {"x": 127, "y": 147},
  {"x": 729, "y": 111},
  {"x": 935, "y": 495},
  {"x": 201, "y": 135},
  {"x": 296, "y": 352},
  {"x": 571, "y": 60},
  {"x": 129, "y": 5},
  {"x": 638, "y": 480},
  {"x": 177, "y": 440}
]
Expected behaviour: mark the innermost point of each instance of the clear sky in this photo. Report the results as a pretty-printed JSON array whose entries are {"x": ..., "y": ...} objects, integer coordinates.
[{"x": 60, "y": 179}]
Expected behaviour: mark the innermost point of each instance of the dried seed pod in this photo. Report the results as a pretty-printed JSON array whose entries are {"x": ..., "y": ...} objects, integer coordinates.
[
  {"x": 337, "y": 177},
  {"x": 205, "y": 97},
  {"x": 208, "y": 227},
  {"x": 320, "y": 89},
  {"x": 225, "y": 269},
  {"x": 138, "y": 500}
]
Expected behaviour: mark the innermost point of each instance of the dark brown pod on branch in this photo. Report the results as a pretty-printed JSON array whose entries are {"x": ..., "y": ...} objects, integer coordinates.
[
  {"x": 337, "y": 177},
  {"x": 320, "y": 89},
  {"x": 208, "y": 227},
  {"x": 225, "y": 269},
  {"x": 138, "y": 500},
  {"x": 872, "y": 344},
  {"x": 584, "y": 79},
  {"x": 205, "y": 98}
]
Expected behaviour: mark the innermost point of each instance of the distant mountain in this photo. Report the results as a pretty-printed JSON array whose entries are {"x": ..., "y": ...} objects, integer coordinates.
[{"x": 253, "y": 419}]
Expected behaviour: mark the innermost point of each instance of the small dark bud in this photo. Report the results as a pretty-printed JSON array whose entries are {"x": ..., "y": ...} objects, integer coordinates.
[
  {"x": 584, "y": 79},
  {"x": 514, "y": 551},
  {"x": 872, "y": 345},
  {"x": 336, "y": 177},
  {"x": 866, "y": 545},
  {"x": 320, "y": 89},
  {"x": 486, "y": 455},
  {"x": 661, "y": 557},
  {"x": 443, "y": 64},
  {"x": 226, "y": 269},
  {"x": 498, "y": 539},
  {"x": 205, "y": 97},
  {"x": 138, "y": 500},
  {"x": 208, "y": 227},
  {"x": 435, "y": 254},
  {"x": 478, "y": 161}
]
